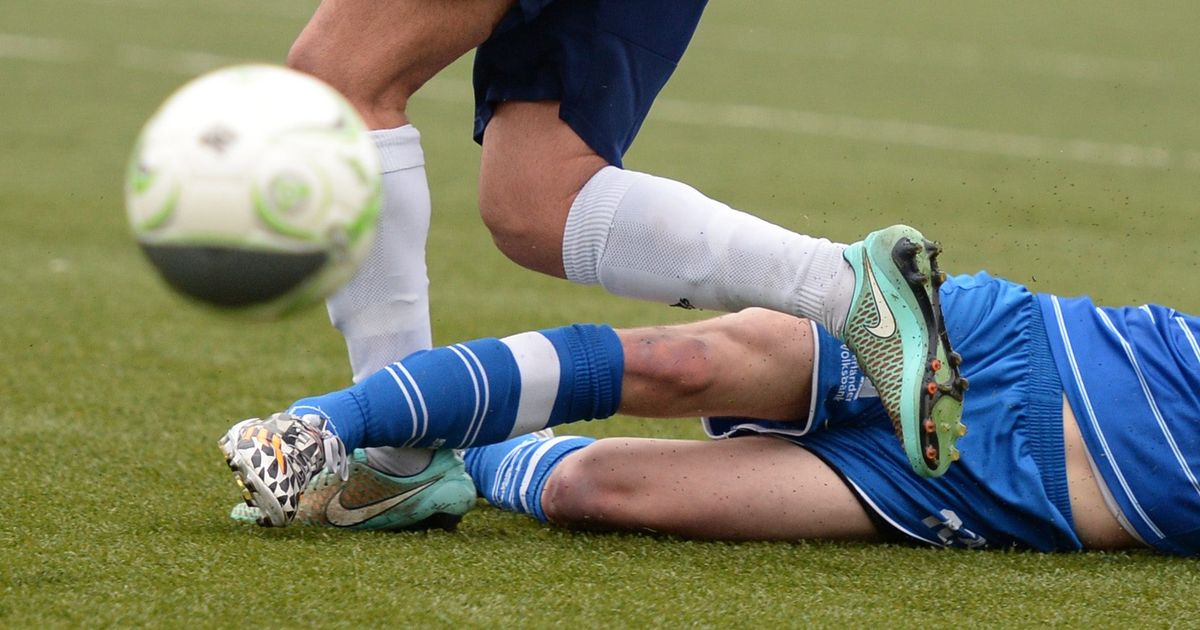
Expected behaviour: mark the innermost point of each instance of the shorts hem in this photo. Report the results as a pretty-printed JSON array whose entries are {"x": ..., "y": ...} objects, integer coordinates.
[
  {"x": 1045, "y": 400},
  {"x": 575, "y": 120},
  {"x": 889, "y": 531}
]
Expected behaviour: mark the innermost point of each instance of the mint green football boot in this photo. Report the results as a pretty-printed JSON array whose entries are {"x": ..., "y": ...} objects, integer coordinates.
[
  {"x": 435, "y": 498},
  {"x": 895, "y": 330}
]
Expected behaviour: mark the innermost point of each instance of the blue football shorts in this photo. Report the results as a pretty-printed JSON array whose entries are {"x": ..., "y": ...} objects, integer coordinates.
[
  {"x": 1010, "y": 488},
  {"x": 604, "y": 60},
  {"x": 1132, "y": 376}
]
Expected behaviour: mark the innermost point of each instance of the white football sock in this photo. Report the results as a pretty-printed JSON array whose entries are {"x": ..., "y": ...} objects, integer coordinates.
[
  {"x": 656, "y": 239},
  {"x": 383, "y": 312}
]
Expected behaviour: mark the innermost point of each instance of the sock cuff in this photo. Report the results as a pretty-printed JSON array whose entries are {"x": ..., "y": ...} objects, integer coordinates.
[
  {"x": 558, "y": 449},
  {"x": 593, "y": 357},
  {"x": 399, "y": 148},
  {"x": 590, "y": 220},
  {"x": 340, "y": 410},
  {"x": 824, "y": 269},
  {"x": 512, "y": 474}
]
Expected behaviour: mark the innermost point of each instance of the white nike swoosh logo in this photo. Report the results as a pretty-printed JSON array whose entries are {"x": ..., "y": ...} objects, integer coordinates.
[
  {"x": 887, "y": 322},
  {"x": 341, "y": 516}
]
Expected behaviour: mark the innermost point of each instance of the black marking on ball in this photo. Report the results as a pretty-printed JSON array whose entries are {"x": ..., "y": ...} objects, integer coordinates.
[
  {"x": 218, "y": 138},
  {"x": 232, "y": 277}
]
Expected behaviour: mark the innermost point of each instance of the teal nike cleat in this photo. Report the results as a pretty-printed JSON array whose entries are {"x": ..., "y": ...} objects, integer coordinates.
[
  {"x": 895, "y": 329},
  {"x": 435, "y": 498}
]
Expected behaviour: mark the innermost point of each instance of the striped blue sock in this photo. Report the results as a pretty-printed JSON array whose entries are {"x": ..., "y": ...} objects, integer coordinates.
[
  {"x": 512, "y": 474},
  {"x": 480, "y": 392}
]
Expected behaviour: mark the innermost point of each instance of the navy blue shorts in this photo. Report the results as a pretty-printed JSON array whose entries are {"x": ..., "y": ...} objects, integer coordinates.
[
  {"x": 604, "y": 60},
  {"x": 1010, "y": 488}
]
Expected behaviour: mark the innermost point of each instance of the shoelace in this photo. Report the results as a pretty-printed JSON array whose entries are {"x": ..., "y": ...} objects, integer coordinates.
[{"x": 332, "y": 447}]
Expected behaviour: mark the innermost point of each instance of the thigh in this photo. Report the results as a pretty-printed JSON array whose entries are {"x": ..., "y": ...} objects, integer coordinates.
[
  {"x": 378, "y": 53},
  {"x": 753, "y": 488}
]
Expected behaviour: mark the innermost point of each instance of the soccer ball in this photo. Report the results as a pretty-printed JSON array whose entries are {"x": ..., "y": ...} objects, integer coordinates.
[{"x": 254, "y": 188}]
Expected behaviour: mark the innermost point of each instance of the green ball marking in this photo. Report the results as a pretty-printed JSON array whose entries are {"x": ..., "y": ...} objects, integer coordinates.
[
  {"x": 360, "y": 171},
  {"x": 160, "y": 218},
  {"x": 139, "y": 176},
  {"x": 289, "y": 194},
  {"x": 285, "y": 196},
  {"x": 367, "y": 217}
]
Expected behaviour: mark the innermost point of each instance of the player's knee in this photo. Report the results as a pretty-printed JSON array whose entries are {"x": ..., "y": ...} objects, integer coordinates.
[
  {"x": 533, "y": 166},
  {"x": 678, "y": 365},
  {"x": 525, "y": 217},
  {"x": 586, "y": 489},
  {"x": 511, "y": 220}
]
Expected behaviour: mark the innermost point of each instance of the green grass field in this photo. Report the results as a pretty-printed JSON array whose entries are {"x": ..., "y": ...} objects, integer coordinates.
[{"x": 1054, "y": 143}]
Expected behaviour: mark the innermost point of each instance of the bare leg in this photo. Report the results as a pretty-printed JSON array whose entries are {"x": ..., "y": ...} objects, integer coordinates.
[
  {"x": 757, "y": 363},
  {"x": 754, "y": 488},
  {"x": 754, "y": 363},
  {"x": 379, "y": 53}
]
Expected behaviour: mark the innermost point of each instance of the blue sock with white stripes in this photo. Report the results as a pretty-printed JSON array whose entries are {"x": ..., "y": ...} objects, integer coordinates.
[
  {"x": 480, "y": 392},
  {"x": 512, "y": 474}
]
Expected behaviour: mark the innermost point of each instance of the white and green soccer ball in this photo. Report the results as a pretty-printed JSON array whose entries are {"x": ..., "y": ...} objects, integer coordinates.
[{"x": 254, "y": 188}]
